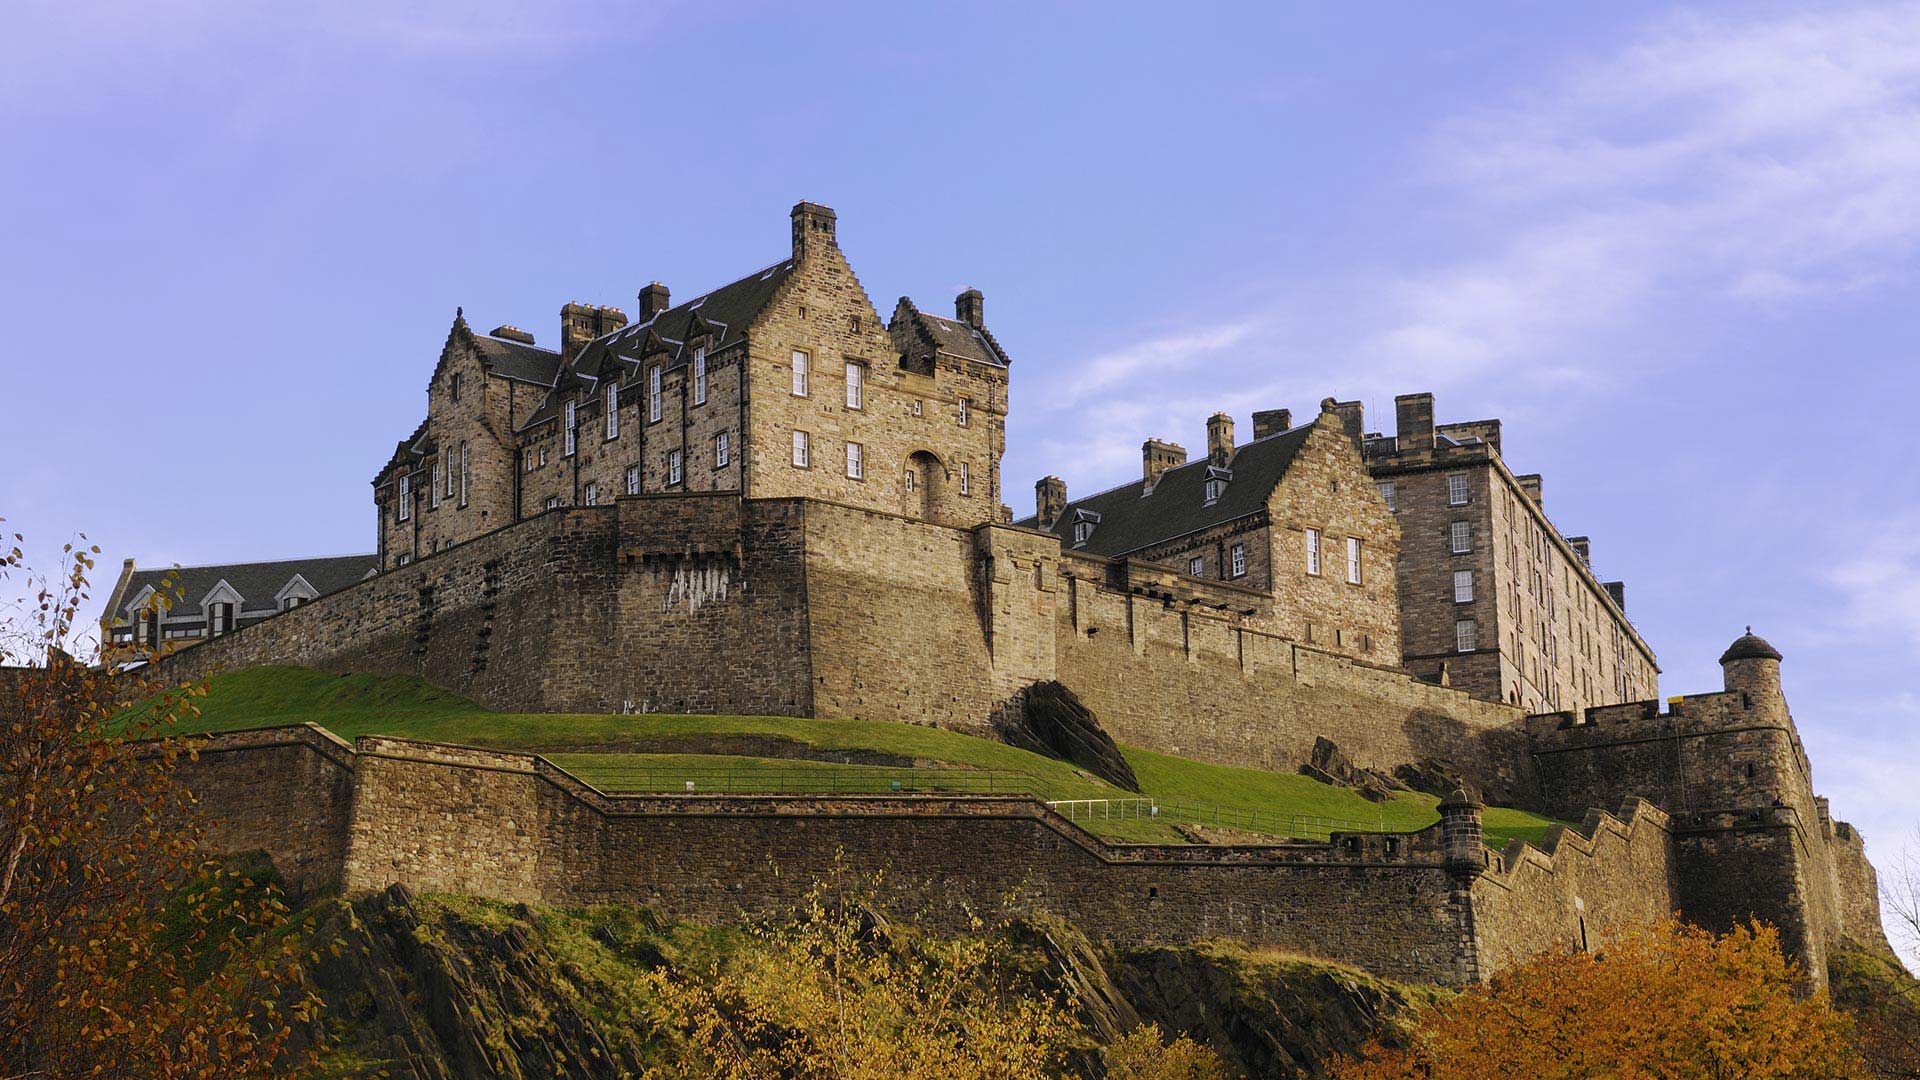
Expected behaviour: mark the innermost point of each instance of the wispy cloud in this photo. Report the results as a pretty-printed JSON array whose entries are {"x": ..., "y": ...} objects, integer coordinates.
[
  {"x": 1708, "y": 165},
  {"x": 1881, "y": 584}
]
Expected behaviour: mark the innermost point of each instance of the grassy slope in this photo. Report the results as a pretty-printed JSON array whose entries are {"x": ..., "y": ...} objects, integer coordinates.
[{"x": 354, "y": 705}]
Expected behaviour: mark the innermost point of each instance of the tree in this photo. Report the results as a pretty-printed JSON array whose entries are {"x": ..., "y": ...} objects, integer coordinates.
[
  {"x": 1882, "y": 997},
  {"x": 123, "y": 952},
  {"x": 836, "y": 993},
  {"x": 1666, "y": 1001}
]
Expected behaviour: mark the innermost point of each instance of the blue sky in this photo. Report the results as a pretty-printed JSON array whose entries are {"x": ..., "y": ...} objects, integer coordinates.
[{"x": 1674, "y": 249}]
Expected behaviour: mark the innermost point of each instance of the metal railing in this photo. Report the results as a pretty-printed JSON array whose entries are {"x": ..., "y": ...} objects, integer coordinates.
[
  {"x": 1304, "y": 826},
  {"x": 868, "y": 780}
]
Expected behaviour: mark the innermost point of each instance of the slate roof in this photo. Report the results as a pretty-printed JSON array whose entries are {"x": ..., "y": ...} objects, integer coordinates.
[
  {"x": 722, "y": 314},
  {"x": 257, "y": 582},
  {"x": 1177, "y": 505},
  {"x": 518, "y": 360},
  {"x": 951, "y": 336}
]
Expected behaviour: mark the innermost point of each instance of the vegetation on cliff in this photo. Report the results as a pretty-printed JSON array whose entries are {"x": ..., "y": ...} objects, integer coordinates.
[{"x": 618, "y": 752}]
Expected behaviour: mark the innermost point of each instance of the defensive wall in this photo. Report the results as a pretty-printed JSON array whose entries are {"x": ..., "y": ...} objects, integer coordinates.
[
  {"x": 1434, "y": 906},
  {"x": 711, "y": 603}
]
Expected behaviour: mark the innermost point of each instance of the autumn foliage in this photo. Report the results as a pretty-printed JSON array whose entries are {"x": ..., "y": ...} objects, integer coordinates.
[
  {"x": 1667, "y": 1001},
  {"x": 123, "y": 952}
]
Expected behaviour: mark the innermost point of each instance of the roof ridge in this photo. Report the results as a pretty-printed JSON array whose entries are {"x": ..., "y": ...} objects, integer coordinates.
[
  {"x": 775, "y": 265},
  {"x": 252, "y": 562}
]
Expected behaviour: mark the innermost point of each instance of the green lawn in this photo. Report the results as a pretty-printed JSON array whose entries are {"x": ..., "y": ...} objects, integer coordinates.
[{"x": 658, "y": 752}]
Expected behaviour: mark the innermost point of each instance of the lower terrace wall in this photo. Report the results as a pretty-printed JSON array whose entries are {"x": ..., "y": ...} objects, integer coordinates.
[
  {"x": 1580, "y": 889},
  {"x": 287, "y": 791}
]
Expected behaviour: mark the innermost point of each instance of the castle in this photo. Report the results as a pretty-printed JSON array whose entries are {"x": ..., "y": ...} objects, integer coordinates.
[{"x": 765, "y": 500}]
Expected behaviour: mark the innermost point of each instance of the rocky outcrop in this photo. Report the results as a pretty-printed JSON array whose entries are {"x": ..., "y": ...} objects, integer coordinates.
[
  {"x": 1047, "y": 718},
  {"x": 1330, "y": 765}
]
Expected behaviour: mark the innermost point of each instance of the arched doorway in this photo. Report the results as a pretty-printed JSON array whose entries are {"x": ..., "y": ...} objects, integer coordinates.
[{"x": 921, "y": 485}]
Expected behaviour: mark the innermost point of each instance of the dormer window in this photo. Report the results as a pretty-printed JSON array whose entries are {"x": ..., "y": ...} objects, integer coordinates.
[
  {"x": 1084, "y": 522},
  {"x": 1216, "y": 484}
]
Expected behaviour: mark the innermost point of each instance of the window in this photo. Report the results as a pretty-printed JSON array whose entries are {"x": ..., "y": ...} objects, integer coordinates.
[
  {"x": 433, "y": 489},
  {"x": 856, "y": 386},
  {"x": 543, "y": 456},
  {"x": 799, "y": 374},
  {"x": 700, "y": 375},
  {"x": 1353, "y": 560},
  {"x": 1313, "y": 551},
  {"x": 293, "y": 602},
  {"x": 720, "y": 451},
  {"x": 1237, "y": 560},
  {"x": 674, "y": 470},
  {"x": 1386, "y": 492},
  {"x": 405, "y": 558},
  {"x": 1463, "y": 586},
  {"x": 553, "y": 502},
  {"x": 966, "y": 484},
  {"x": 1197, "y": 566},
  {"x": 1082, "y": 530},
  {"x": 526, "y": 459},
  {"x": 653, "y": 393},
  {"x": 633, "y": 479},
  {"x": 450, "y": 479},
  {"x": 613, "y": 411},
  {"x": 965, "y": 411},
  {"x": 219, "y": 619},
  {"x": 801, "y": 451},
  {"x": 1456, "y": 489},
  {"x": 463, "y": 474},
  {"x": 453, "y": 386},
  {"x": 1461, "y": 533},
  {"x": 573, "y": 421},
  {"x": 1465, "y": 635},
  {"x": 1214, "y": 487},
  {"x": 856, "y": 467},
  {"x": 911, "y": 481},
  {"x": 592, "y": 494},
  {"x": 916, "y": 408},
  {"x": 406, "y": 498}
]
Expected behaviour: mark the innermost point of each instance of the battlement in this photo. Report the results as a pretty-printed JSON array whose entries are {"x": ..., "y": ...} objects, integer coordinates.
[{"x": 1692, "y": 715}]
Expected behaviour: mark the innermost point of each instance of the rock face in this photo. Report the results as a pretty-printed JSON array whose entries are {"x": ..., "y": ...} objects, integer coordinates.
[
  {"x": 445, "y": 988},
  {"x": 1330, "y": 765},
  {"x": 1048, "y": 719}
]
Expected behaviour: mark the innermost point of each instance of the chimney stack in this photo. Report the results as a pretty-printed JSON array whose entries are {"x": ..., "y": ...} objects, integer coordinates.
[
  {"x": 1353, "y": 418},
  {"x": 1157, "y": 457},
  {"x": 970, "y": 307},
  {"x": 581, "y": 323},
  {"x": 1582, "y": 547},
  {"x": 1617, "y": 590},
  {"x": 507, "y": 332},
  {"x": 1219, "y": 439},
  {"x": 1413, "y": 421},
  {"x": 1271, "y": 422},
  {"x": 654, "y": 299},
  {"x": 1050, "y": 501},
  {"x": 1530, "y": 484},
  {"x": 812, "y": 224}
]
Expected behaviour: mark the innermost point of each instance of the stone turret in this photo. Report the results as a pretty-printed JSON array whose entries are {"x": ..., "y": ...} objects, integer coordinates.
[
  {"x": 1751, "y": 665},
  {"x": 1049, "y": 500},
  {"x": 1220, "y": 439},
  {"x": 1460, "y": 833}
]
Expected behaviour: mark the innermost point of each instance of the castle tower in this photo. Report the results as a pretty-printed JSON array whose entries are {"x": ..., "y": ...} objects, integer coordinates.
[{"x": 1461, "y": 833}]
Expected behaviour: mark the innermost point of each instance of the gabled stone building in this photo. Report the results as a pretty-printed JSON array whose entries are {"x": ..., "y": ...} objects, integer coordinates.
[
  {"x": 1290, "y": 513},
  {"x": 783, "y": 383}
]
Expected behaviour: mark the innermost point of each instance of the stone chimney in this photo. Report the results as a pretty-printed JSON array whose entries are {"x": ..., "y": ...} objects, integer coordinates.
[
  {"x": 1582, "y": 547},
  {"x": 1353, "y": 418},
  {"x": 654, "y": 299},
  {"x": 1271, "y": 422},
  {"x": 1157, "y": 457},
  {"x": 1049, "y": 501},
  {"x": 1617, "y": 590},
  {"x": 581, "y": 323},
  {"x": 1530, "y": 484},
  {"x": 511, "y": 333},
  {"x": 1413, "y": 421},
  {"x": 812, "y": 224},
  {"x": 970, "y": 307},
  {"x": 1219, "y": 439}
]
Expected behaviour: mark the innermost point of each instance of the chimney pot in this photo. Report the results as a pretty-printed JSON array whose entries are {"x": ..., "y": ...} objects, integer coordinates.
[
  {"x": 581, "y": 323},
  {"x": 1530, "y": 484}
]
